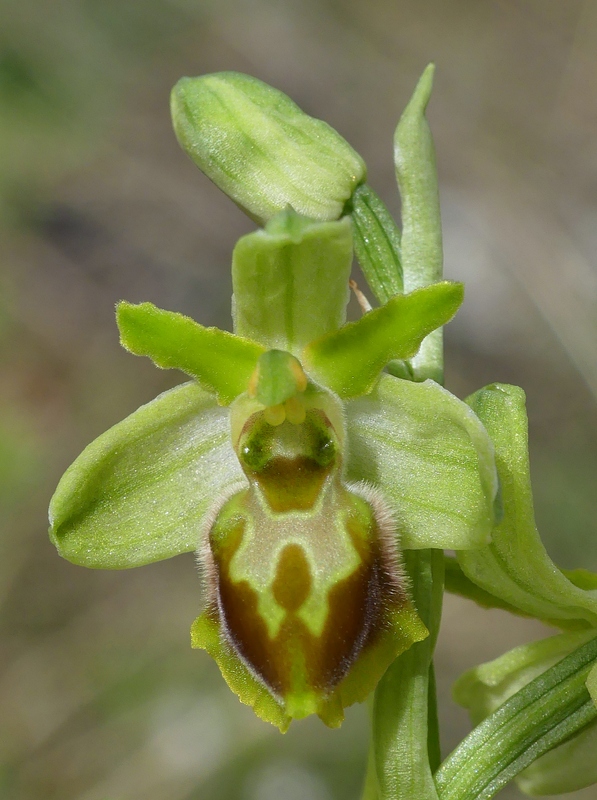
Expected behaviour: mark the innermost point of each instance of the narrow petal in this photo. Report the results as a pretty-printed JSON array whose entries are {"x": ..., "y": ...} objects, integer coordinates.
[
  {"x": 349, "y": 361},
  {"x": 431, "y": 458},
  {"x": 515, "y": 566},
  {"x": 141, "y": 492},
  {"x": 220, "y": 361},
  {"x": 290, "y": 281}
]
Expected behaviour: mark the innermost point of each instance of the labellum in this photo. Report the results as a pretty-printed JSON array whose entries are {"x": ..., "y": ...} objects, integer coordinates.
[{"x": 303, "y": 570}]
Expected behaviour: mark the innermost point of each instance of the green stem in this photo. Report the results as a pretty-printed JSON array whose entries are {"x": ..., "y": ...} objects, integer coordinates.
[
  {"x": 404, "y": 700},
  {"x": 542, "y": 715}
]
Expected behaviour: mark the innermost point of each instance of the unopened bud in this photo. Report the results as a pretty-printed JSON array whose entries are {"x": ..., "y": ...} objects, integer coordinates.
[{"x": 257, "y": 145}]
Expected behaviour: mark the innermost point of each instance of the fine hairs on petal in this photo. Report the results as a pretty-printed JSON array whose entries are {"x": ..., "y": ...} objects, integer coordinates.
[
  {"x": 389, "y": 538},
  {"x": 203, "y": 555}
]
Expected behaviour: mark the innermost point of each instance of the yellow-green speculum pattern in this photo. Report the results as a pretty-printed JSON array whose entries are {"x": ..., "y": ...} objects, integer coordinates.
[{"x": 303, "y": 569}]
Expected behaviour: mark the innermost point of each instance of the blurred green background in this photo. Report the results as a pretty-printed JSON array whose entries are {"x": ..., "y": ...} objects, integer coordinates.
[{"x": 101, "y": 697}]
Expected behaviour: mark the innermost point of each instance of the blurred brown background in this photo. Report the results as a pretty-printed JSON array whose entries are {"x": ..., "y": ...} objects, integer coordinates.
[{"x": 101, "y": 697}]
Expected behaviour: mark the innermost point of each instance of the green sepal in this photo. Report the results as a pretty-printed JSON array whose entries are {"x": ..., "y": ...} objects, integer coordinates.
[
  {"x": 432, "y": 459},
  {"x": 515, "y": 566},
  {"x": 350, "y": 360},
  {"x": 257, "y": 145},
  {"x": 220, "y": 361},
  {"x": 376, "y": 243},
  {"x": 482, "y": 690},
  {"x": 290, "y": 281},
  {"x": 141, "y": 491},
  {"x": 421, "y": 241}
]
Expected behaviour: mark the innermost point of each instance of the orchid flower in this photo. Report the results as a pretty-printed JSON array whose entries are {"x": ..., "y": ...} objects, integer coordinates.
[{"x": 293, "y": 467}]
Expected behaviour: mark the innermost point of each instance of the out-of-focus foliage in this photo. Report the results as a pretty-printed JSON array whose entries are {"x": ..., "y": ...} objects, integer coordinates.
[{"x": 101, "y": 694}]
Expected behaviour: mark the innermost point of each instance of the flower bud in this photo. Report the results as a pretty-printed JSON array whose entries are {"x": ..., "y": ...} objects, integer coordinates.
[{"x": 258, "y": 146}]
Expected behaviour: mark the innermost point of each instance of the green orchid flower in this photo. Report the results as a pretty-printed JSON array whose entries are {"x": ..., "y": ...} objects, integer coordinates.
[{"x": 296, "y": 469}]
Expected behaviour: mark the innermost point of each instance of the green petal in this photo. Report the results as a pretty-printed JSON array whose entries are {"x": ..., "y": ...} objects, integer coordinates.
[
  {"x": 350, "y": 360},
  {"x": 515, "y": 566},
  {"x": 421, "y": 242},
  {"x": 141, "y": 492},
  {"x": 257, "y": 145},
  {"x": 290, "y": 281},
  {"x": 220, "y": 361},
  {"x": 432, "y": 459}
]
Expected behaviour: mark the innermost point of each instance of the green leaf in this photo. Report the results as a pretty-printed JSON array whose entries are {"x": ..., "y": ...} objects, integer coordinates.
[
  {"x": 486, "y": 687},
  {"x": 515, "y": 566},
  {"x": 431, "y": 458},
  {"x": 543, "y": 714},
  {"x": 400, "y": 710},
  {"x": 257, "y": 145},
  {"x": 141, "y": 491},
  {"x": 350, "y": 360},
  {"x": 220, "y": 361},
  {"x": 376, "y": 243},
  {"x": 290, "y": 281},
  {"x": 481, "y": 691},
  {"x": 592, "y": 684},
  {"x": 567, "y": 768},
  {"x": 421, "y": 242}
]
